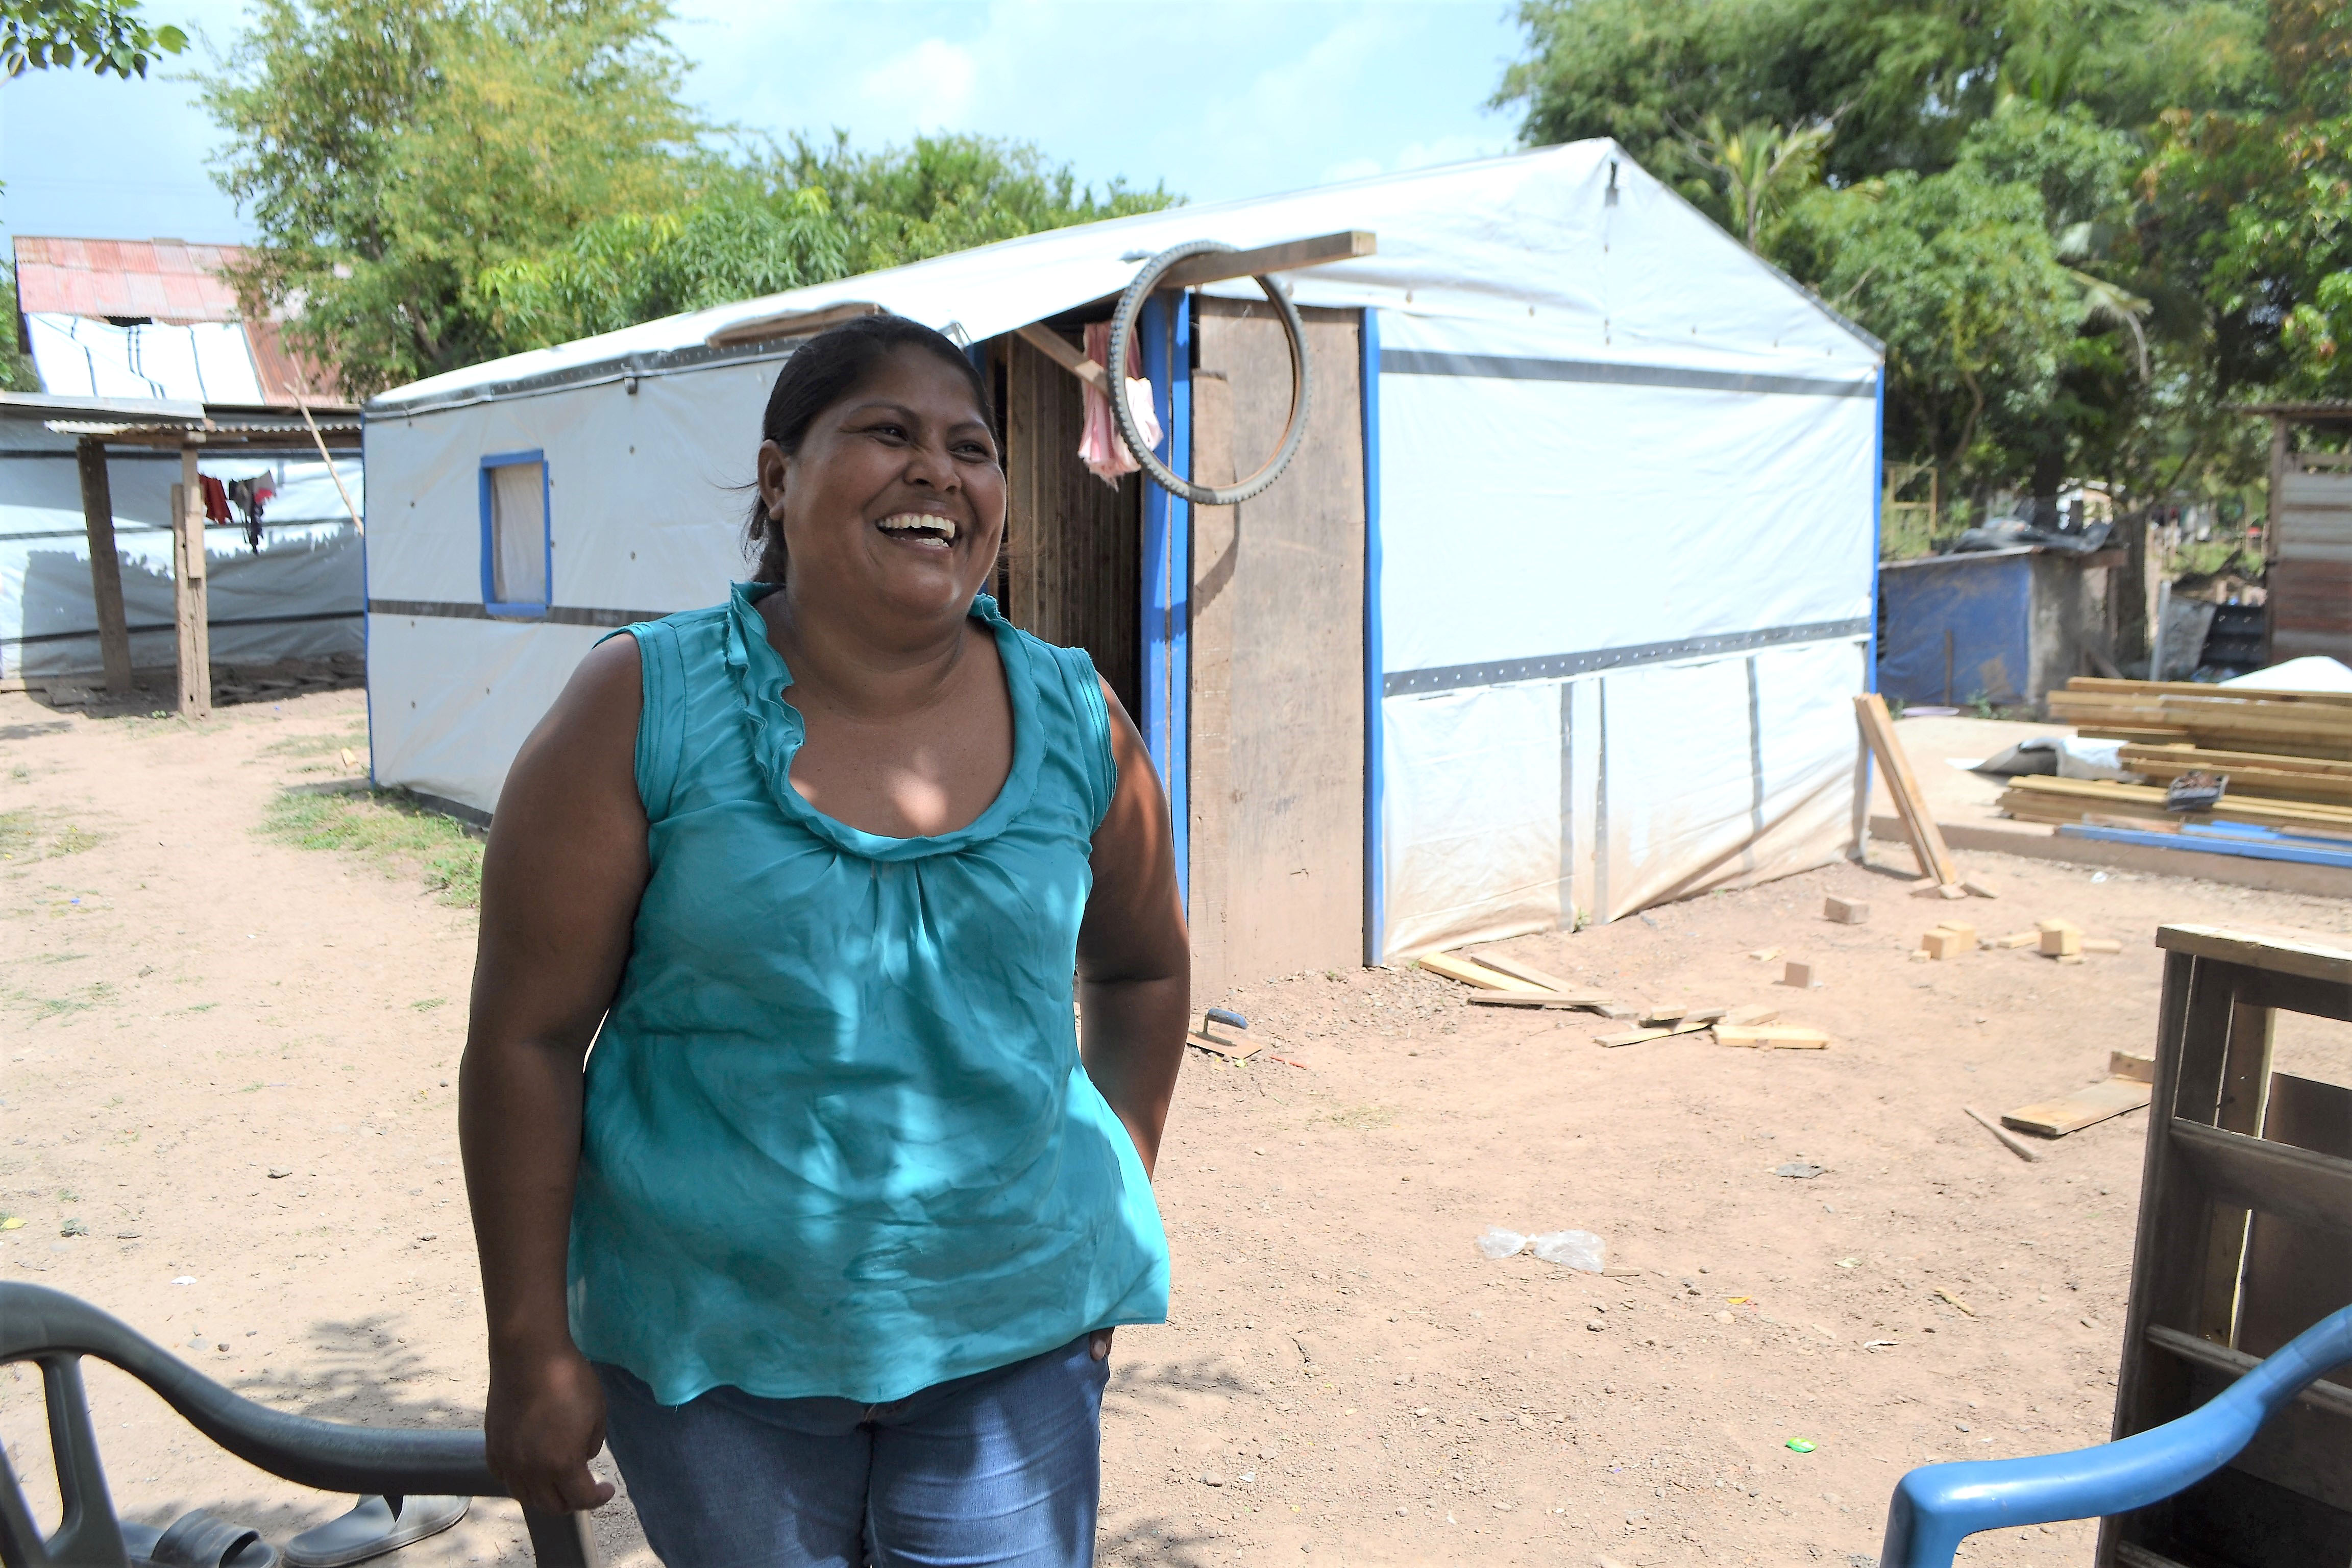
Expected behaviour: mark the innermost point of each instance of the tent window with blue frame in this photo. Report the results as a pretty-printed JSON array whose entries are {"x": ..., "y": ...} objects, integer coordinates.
[{"x": 517, "y": 528}]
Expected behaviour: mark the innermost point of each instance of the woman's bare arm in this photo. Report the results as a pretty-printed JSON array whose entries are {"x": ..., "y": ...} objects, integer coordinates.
[
  {"x": 561, "y": 879},
  {"x": 1135, "y": 958}
]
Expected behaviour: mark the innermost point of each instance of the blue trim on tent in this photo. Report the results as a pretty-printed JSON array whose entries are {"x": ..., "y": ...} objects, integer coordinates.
[
  {"x": 1877, "y": 523},
  {"x": 1375, "y": 868},
  {"x": 518, "y": 609},
  {"x": 367, "y": 632},
  {"x": 1167, "y": 608}
]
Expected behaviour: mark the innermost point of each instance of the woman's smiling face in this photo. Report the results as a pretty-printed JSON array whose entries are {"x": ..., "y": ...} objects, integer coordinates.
[{"x": 895, "y": 503}]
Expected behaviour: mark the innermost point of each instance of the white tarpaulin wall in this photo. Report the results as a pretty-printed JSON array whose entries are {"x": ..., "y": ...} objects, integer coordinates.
[
  {"x": 1627, "y": 525},
  {"x": 299, "y": 596},
  {"x": 644, "y": 512},
  {"x": 1623, "y": 606}
]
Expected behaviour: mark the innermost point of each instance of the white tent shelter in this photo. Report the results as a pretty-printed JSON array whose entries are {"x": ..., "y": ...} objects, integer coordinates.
[{"x": 1601, "y": 515}]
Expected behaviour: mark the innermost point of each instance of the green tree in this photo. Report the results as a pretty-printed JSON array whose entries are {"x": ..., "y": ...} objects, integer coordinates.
[
  {"x": 393, "y": 153},
  {"x": 2256, "y": 211},
  {"x": 943, "y": 193},
  {"x": 108, "y": 36},
  {"x": 736, "y": 243},
  {"x": 1981, "y": 205}
]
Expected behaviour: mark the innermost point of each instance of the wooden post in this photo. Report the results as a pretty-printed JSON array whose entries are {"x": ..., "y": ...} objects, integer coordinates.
[
  {"x": 1918, "y": 822},
  {"x": 105, "y": 564},
  {"x": 188, "y": 610}
]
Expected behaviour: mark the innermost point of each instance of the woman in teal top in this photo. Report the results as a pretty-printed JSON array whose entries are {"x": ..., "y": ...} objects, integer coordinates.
[{"x": 829, "y": 1234}]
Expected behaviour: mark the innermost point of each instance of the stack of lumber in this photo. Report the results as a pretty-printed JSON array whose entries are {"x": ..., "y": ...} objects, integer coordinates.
[
  {"x": 2225, "y": 719},
  {"x": 2287, "y": 756}
]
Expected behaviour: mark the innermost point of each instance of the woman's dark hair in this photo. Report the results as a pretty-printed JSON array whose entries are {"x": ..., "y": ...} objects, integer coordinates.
[{"x": 821, "y": 372}]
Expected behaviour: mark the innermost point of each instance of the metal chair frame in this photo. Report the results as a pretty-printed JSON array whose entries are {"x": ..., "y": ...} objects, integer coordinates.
[{"x": 54, "y": 1331}]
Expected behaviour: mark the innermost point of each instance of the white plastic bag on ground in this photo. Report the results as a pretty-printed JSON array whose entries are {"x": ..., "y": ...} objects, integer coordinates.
[
  {"x": 1576, "y": 1248},
  {"x": 1498, "y": 1243}
]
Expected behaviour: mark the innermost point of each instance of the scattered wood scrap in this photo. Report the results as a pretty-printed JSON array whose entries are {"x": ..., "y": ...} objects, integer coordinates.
[
  {"x": 2008, "y": 1140},
  {"x": 1530, "y": 999},
  {"x": 1845, "y": 912},
  {"x": 2129, "y": 1082},
  {"x": 1470, "y": 972},
  {"x": 1505, "y": 983},
  {"x": 1527, "y": 972}
]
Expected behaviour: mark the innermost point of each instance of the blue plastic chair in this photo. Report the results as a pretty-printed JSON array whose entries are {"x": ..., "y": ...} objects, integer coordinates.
[{"x": 1937, "y": 1507}]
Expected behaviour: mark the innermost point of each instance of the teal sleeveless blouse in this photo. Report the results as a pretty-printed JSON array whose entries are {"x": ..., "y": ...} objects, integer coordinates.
[{"x": 836, "y": 1137}]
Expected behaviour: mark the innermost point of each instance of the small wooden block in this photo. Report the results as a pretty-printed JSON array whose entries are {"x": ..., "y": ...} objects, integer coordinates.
[
  {"x": 1942, "y": 943},
  {"x": 1703, "y": 1015},
  {"x": 2137, "y": 1070},
  {"x": 1951, "y": 890},
  {"x": 1845, "y": 912},
  {"x": 2102, "y": 945},
  {"x": 1771, "y": 1036},
  {"x": 1617, "y": 1010},
  {"x": 1920, "y": 955},
  {"x": 1666, "y": 1016},
  {"x": 1764, "y": 955},
  {"x": 1800, "y": 975},
  {"x": 1740, "y": 1015},
  {"x": 2016, "y": 938},
  {"x": 2066, "y": 958},
  {"x": 2059, "y": 937},
  {"x": 1234, "y": 1050},
  {"x": 1977, "y": 886},
  {"x": 1629, "y": 1037},
  {"x": 2084, "y": 1108},
  {"x": 1961, "y": 929}
]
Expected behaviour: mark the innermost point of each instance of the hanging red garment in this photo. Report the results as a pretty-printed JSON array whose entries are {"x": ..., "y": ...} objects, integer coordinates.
[{"x": 215, "y": 499}]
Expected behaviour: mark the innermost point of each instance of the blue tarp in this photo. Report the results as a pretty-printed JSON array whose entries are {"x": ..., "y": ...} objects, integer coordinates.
[{"x": 1954, "y": 628}]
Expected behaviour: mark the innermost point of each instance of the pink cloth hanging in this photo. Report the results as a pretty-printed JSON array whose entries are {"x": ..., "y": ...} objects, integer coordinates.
[{"x": 1099, "y": 448}]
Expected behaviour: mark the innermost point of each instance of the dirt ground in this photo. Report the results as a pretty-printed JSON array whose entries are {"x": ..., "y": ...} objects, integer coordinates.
[{"x": 188, "y": 1009}]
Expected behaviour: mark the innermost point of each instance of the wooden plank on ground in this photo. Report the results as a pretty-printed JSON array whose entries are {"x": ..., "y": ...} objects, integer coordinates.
[
  {"x": 1533, "y": 999},
  {"x": 1472, "y": 972},
  {"x": 1927, "y": 840},
  {"x": 1237, "y": 1050},
  {"x": 1527, "y": 972},
  {"x": 2084, "y": 1108}
]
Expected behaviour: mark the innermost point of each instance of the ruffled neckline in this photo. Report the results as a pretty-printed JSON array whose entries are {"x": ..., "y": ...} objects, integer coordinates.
[{"x": 777, "y": 732}]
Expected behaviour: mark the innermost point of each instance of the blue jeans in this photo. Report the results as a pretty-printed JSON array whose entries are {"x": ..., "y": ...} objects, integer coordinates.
[{"x": 999, "y": 1467}]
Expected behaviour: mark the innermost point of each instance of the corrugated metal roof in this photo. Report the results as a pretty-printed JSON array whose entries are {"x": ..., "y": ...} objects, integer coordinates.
[
  {"x": 167, "y": 279},
  {"x": 172, "y": 284}
]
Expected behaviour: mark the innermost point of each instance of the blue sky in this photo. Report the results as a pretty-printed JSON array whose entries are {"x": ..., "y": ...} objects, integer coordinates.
[{"x": 1217, "y": 99}]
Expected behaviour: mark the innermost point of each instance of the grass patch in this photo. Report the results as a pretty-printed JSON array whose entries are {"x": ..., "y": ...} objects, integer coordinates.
[
  {"x": 426, "y": 1004},
  {"x": 22, "y": 838},
  {"x": 97, "y": 995},
  {"x": 73, "y": 840},
  {"x": 1362, "y": 1116},
  {"x": 390, "y": 829},
  {"x": 318, "y": 745},
  {"x": 18, "y": 838}
]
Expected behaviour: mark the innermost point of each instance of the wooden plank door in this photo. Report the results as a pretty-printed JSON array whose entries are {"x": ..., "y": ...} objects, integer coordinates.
[
  {"x": 1277, "y": 740},
  {"x": 1073, "y": 544}
]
